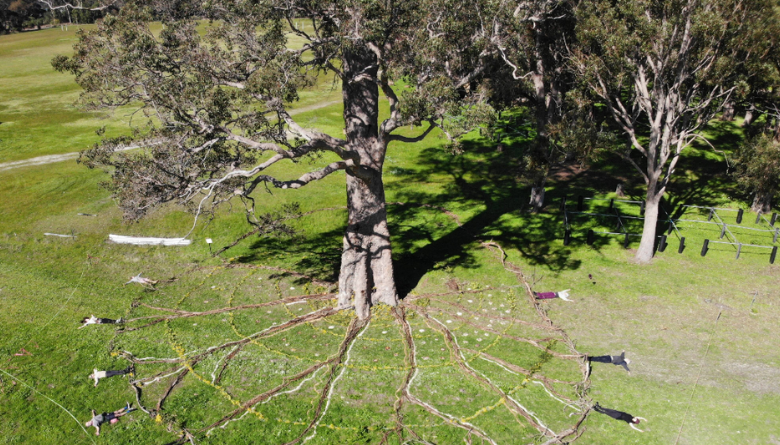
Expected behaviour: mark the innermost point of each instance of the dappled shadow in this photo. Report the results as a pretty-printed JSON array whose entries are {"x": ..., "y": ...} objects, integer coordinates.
[
  {"x": 481, "y": 179},
  {"x": 317, "y": 256},
  {"x": 485, "y": 189}
]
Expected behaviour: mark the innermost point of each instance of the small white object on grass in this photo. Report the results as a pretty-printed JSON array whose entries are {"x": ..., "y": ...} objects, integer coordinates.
[
  {"x": 209, "y": 241},
  {"x": 61, "y": 236},
  {"x": 148, "y": 241},
  {"x": 142, "y": 281}
]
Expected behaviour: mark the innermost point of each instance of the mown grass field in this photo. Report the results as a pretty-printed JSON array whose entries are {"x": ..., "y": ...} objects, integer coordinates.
[{"x": 721, "y": 378}]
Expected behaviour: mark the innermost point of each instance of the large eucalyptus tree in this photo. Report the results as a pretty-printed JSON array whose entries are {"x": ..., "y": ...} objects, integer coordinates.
[
  {"x": 663, "y": 68},
  {"x": 217, "y": 105}
]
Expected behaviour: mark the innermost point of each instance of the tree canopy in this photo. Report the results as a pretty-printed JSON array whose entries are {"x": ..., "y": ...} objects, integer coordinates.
[
  {"x": 664, "y": 68},
  {"x": 215, "y": 106}
]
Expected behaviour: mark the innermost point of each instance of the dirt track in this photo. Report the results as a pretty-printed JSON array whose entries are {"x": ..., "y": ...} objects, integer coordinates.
[{"x": 49, "y": 159}]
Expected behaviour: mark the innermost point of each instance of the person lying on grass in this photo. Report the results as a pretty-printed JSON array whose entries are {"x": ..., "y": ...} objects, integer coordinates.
[
  {"x": 99, "y": 419},
  {"x": 142, "y": 281},
  {"x": 563, "y": 295},
  {"x": 620, "y": 415},
  {"x": 95, "y": 320},
  {"x": 618, "y": 360},
  {"x": 97, "y": 375}
]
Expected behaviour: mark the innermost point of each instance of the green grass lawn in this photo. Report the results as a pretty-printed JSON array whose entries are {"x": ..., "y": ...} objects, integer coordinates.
[{"x": 721, "y": 378}]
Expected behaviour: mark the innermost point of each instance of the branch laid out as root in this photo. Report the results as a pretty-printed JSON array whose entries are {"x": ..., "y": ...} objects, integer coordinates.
[
  {"x": 273, "y": 330},
  {"x": 412, "y": 363},
  {"x": 218, "y": 377},
  {"x": 178, "y": 313},
  {"x": 584, "y": 368},
  {"x": 356, "y": 326},
  {"x": 171, "y": 385},
  {"x": 157, "y": 377},
  {"x": 535, "y": 343},
  {"x": 563, "y": 436},
  {"x": 513, "y": 407},
  {"x": 517, "y": 369},
  {"x": 268, "y": 394}
]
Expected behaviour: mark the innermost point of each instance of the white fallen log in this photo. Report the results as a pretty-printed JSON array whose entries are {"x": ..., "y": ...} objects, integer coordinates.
[
  {"x": 61, "y": 236},
  {"x": 148, "y": 241}
]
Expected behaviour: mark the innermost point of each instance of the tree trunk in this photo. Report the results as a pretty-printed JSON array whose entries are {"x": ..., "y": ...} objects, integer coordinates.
[
  {"x": 620, "y": 190},
  {"x": 647, "y": 246},
  {"x": 366, "y": 261},
  {"x": 537, "y": 197},
  {"x": 728, "y": 112},
  {"x": 750, "y": 115},
  {"x": 762, "y": 202}
]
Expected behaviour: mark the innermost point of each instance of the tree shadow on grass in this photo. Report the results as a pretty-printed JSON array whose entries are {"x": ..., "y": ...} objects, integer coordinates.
[
  {"x": 485, "y": 188},
  {"x": 481, "y": 180}
]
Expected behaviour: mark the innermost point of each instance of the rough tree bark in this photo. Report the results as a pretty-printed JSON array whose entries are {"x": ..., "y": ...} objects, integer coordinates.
[
  {"x": 647, "y": 244},
  {"x": 537, "y": 197},
  {"x": 762, "y": 202},
  {"x": 366, "y": 264}
]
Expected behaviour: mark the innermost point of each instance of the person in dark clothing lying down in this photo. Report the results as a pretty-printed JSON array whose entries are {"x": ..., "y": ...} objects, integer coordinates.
[
  {"x": 620, "y": 415},
  {"x": 96, "y": 320},
  {"x": 619, "y": 360},
  {"x": 99, "y": 419}
]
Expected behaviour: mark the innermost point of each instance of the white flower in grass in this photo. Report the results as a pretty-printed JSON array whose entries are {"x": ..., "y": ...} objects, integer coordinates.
[
  {"x": 466, "y": 334},
  {"x": 300, "y": 309},
  {"x": 471, "y": 301},
  {"x": 469, "y": 289},
  {"x": 331, "y": 327},
  {"x": 490, "y": 295},
  {"x": 292, "y": 288},
  {"x": 449, "y": 321},
  {"x": 479, "y": 339},
  {"x": 317, "y": 354},
  {"x": 422, "y": 330},
  {"x": 194, "y": 324},
  {"x": 384, "y": 332},
  {"x": 268, "y": 312},
  {"x": 460, "y": 313},
  {"x": 486, "y": 334}
]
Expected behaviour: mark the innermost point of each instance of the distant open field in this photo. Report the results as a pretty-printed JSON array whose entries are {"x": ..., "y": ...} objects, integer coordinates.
[{"x": 718, "y": 379}]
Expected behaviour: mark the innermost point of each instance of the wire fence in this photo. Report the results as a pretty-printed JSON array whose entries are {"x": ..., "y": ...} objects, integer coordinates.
[{"x": 626, "y": 220}]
